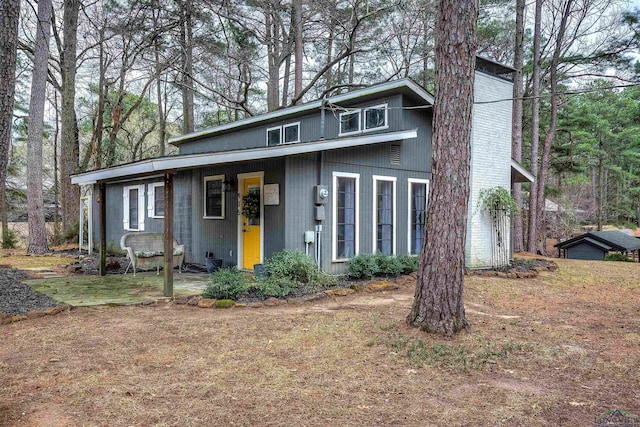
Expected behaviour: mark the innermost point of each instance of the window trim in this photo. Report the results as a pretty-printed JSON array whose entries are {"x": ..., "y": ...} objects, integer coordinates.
[
  {"x": 358, "y": 112},
  {"x": 384, "y": 107},
  {"x": 206, "y": 179},
  {"x": 151, "y": 201},
  {"x": 409, "y": 197},
  {"x": 282, "y": 128},
  {"x": 126, "y": 204},
  {"x": 374, "y": 214},
  {"x": 334, "y": 230},
  {"x": 279, "y": 128},
  {"x": 283, "y": 133}
]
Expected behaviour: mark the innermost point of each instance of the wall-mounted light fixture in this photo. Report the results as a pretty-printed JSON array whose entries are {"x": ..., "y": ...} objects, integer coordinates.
[{"x": 228, "y": 184}]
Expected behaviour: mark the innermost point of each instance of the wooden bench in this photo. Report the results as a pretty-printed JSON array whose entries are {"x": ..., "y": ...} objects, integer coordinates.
[{"x": 146, "y": 250}]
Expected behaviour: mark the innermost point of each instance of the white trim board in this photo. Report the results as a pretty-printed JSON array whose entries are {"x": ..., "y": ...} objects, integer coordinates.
[{"x": 153, "y": 166}]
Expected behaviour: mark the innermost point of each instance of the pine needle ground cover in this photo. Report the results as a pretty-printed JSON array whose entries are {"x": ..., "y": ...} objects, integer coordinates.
[{"x": 560, "y": 349}]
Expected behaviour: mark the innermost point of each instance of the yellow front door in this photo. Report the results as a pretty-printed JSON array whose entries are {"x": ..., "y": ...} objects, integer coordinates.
[{"x": 251, "y": 208}]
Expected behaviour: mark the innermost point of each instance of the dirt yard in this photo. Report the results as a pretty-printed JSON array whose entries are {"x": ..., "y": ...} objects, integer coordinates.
[{"x": 561, "y": 349}]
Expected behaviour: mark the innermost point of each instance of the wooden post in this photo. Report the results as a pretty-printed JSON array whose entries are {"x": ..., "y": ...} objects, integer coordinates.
[
  {"x": 102, "y": 193},
  {"x": 168, "y": 234}
]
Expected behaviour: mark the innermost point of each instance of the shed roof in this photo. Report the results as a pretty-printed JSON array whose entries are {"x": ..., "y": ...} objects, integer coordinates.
[
  {"x": 187, "y": 161},
  {"x": 617, "y": 240},
  {"x": 405, "y": 85}
]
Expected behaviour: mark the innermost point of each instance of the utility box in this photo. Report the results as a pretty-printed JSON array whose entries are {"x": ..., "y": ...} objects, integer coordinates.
[
  {"x": 321, "y": 194},
  {"x": 319, "y": 213},
  {"x": 309, "y": 236}
]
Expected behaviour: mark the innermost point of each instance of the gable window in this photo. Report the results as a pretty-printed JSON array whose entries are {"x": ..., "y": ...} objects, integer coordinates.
[
  {"x": 384, "y": 214},
  {"x": 345, "y": 214},
  {"x": 133, "y": 207},
  {"x": 349, "y": 122},
  {"x": 214, "y": 197},
  {"x": 286, "y": 134},
  {"x": 375, "y": 117},
  {"x": 418, "y": 192},
  {"x": 155, "y": 200}
]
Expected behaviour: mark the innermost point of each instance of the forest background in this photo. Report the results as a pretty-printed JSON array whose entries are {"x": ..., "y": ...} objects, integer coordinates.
[{"x": 119, "y": 77}]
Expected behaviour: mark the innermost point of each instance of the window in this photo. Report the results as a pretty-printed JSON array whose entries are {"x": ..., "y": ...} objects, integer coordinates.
[
  {"x": 287, "y": 134},
  {"x": 418, "y": 192},
  {"x": 384, "y": 214},
  {"x": 291, "y": 133},
  {"x": 273, "y": 136},
  {"x": 375, "y": 117},
  {"x": 133, "y": 207},
  {"x": 345, "y": 214},
  {"x": 155, "y": 200},
  {"x": 371, "y": 118},
  {"x": 349, "y": 122},
  {"x": 214, "y": 197}
]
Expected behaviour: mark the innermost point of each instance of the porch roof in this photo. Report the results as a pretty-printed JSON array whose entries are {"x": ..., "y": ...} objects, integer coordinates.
[
  {"x": 520, "y": 174},
  {"x": 187, "y": 161}
]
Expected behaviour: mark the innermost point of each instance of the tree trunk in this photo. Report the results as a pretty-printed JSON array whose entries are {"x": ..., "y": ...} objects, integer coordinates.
[
  {"x": 9, "y": 18},
  {"x": 35, "y": 204},
  {"x": 69, "y": 133},
  {"x": 551, "y": 132},
  {"x": 162, "y": 131},
  {"x": 439, "y": 304},
  {"x": 186, "y": 41},
  {"x": 532, "y": 243},
  {"x": 516, "y": 127},
  {"x": 297, "y": 31},
  {"x": 600, "y": 185}
]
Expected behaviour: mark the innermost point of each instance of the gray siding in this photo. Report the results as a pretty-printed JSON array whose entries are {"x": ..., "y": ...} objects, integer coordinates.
[
  {"x": 310, "y": 129},
  {"x": 190, "y": 228},
  {"x": 585, "y": 251}
]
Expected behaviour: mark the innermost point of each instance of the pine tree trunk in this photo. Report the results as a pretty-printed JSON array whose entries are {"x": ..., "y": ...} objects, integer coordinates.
[
  {"x": 439, "y": 304},
  {"x": 516, "y": 133},
  {"x": 532, "y": 241},
  {"x": 69, "y": 134},
  {"x": 186, "y": 41},
  {"x": 297, "y": 31},
  {"x": 551, "y": 132},
  {"x": 35, "y": 204},
  {"x": 9, "y": 18}
]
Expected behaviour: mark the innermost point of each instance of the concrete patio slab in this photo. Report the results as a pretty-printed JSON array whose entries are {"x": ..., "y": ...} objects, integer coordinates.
[{"x": 116, "y": 289}]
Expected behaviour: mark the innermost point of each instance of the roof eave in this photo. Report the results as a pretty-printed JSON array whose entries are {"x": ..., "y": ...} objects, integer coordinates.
[
  {"x": 372, "y": 90},
  {"x": 163, "y": 164}
]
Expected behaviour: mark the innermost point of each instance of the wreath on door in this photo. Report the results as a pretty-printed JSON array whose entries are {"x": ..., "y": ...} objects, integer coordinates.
[{"x": 251, "y": 206}]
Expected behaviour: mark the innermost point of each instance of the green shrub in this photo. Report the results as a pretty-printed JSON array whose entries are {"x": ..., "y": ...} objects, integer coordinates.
[
  {"x": 363, "y": 266},
  {"x": 409, "y": 263},
  {"x": 272, "y": 287},
  {"x": 617, "y": 256},
  {"x": 226, "y": 283},
  {"x": 9, "y": 239},
  {"x": 388, "y": 265},
  {"x": 293, "y": 265},
  {"x": 289, "y": 271}
]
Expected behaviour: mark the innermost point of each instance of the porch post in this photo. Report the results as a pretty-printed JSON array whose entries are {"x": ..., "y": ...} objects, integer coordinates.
[
  {"x": 168, "y": 234},
  {"x": 90, "y": 221},
  {"x": 102, "y": 193}
]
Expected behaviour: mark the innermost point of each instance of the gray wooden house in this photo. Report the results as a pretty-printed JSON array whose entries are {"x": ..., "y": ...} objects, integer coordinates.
[
  {"x": 335, "y": 177},
  {"x": 595, "y": 245}
]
